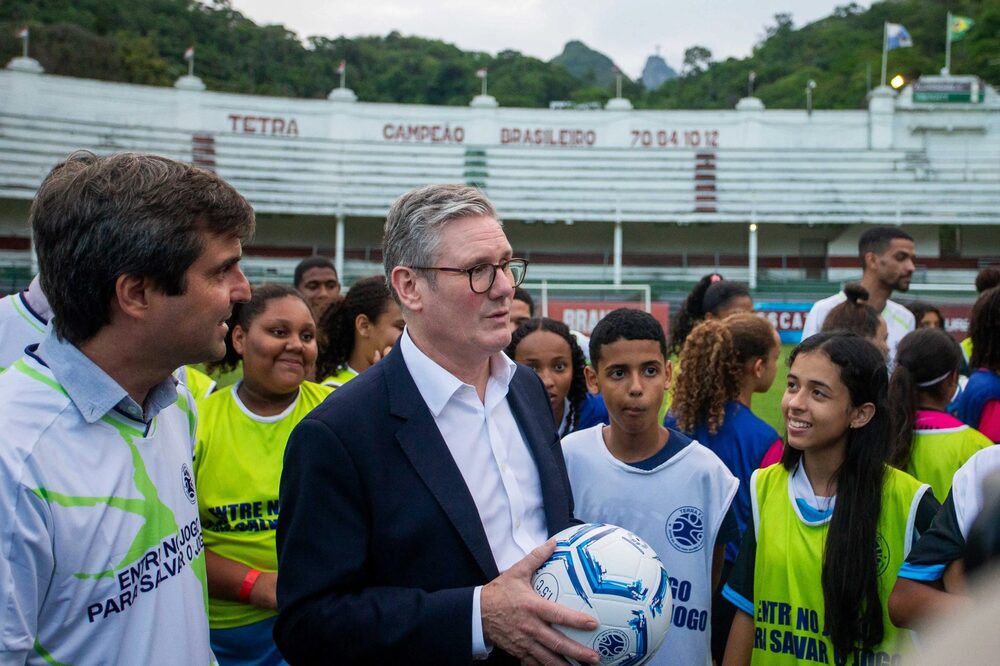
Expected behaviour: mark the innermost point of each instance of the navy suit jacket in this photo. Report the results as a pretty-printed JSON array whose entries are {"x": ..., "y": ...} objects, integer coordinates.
[{"x": 380, "y": 544}]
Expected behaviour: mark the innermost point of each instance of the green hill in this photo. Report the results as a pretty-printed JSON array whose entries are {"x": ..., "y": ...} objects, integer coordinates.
[
  {"x": 142, "y": 41},
  {"x": 587, "y": 66}
]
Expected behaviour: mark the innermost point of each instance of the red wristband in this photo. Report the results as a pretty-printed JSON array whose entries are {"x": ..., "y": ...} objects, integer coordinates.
[{"x": 247, "y": 586}]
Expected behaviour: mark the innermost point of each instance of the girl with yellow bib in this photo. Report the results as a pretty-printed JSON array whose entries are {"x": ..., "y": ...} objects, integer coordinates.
[
  {"x": 927, "y": 441},
  {"x": 831, "y": 524},
  {"x": 242, "y": 432}
]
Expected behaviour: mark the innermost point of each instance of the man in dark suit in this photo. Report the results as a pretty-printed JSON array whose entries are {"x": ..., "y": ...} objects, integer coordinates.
[{"x": 417, "y": 500}]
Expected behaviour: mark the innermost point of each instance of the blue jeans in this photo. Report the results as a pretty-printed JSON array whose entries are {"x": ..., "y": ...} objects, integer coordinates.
[{"x": 249, "y": 645}]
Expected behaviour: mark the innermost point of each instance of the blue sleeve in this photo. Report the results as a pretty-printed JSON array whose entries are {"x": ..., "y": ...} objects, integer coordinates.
[
  {"x": 938, "y": 547},
  {"x": 739, "y": 588},
  {"x": 592, "y": 412}
]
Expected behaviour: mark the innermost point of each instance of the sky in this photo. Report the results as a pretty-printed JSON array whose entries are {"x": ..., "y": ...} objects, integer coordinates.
[{"x": 627, "y": 31}]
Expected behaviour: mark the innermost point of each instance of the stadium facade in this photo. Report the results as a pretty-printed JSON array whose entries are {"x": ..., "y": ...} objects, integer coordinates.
[{"x": 676, "y": 191}]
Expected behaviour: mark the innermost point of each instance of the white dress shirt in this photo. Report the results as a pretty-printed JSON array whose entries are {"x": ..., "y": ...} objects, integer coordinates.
[{"x": 492, "y": 455}]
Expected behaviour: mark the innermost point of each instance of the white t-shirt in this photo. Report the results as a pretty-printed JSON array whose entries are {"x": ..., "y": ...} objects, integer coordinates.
[
  {"x": 101, "y": 556},
  {"x": 898, "y": 320},
  {"x": 677, "y": 508},
  {"x": 967, "y": 486}
]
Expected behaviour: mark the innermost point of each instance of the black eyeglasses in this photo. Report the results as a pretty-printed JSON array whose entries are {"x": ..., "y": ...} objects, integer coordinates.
[{"x": 482, "y": 276}]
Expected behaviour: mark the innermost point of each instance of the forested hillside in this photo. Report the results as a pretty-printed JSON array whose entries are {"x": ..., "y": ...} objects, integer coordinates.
[{"x": 142, "y": 41}]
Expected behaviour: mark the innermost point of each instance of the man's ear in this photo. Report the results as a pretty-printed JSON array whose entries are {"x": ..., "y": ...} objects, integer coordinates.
[
  {"x": 132, "y": 295},
  {"x": 668, "y": 374},
  {"x": 404, "y": 282},
  {"x": 871, "y": 261},
  {"x": 862, "y": 415},
  {"x": 591, "y": 376}
]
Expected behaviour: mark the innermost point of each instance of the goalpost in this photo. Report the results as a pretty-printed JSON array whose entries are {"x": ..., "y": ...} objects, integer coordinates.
[{"x": 644, "y": 290}]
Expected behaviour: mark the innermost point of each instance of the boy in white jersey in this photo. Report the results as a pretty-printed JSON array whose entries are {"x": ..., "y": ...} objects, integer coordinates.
[
  {"x": 656, "y": 482},
  {"x": 23, "y": 319},
  {"x": 102, "y": 556}
]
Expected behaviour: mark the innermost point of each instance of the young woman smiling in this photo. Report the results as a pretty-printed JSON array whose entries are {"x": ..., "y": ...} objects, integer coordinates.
[
  {"x": 238, "y": 458},
  {"x": 832, "y": 523}
]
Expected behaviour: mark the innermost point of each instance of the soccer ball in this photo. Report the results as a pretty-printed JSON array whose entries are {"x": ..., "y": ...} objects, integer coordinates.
[{"x": 613, "y": 575}]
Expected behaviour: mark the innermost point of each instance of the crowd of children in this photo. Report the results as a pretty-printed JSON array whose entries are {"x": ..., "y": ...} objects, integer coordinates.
[
  {"x": 828, "y": 546},
  {"x": 824, "y": 543}
]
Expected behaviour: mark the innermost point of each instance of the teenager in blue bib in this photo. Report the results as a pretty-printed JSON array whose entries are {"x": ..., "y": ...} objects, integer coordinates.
[
  {"x": 979, "y": 404},
  {"x": 831, "y": 524}
]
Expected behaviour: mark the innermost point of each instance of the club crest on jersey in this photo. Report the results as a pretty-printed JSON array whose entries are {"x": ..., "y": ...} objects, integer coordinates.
[
  {"x": 882, "y": 553},
  {"x": 187, "y": 483},
  {"x": 685, "y": 529}
]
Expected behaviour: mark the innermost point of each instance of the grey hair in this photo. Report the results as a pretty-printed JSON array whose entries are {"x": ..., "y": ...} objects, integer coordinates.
[
  {"x": 95, "y": 219},
  {"x": 413, "y": 225}
]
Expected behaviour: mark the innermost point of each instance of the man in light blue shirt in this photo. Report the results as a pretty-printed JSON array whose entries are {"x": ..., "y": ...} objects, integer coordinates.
[{"x": 103, "y": 560}]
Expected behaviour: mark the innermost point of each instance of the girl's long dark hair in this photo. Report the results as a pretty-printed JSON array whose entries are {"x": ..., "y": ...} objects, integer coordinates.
[
  {"x": 578, "y": 386},
  {"x": 850, "y": 567},
  {"x": 984, "y": 329},
  {"x": 370, "y": 297},
  {"x": 924, "y": 355},
  {"x": 690, "y": 313}
]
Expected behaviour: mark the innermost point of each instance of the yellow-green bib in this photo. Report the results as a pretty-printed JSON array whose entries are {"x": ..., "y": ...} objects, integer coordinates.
[{"x": 788, "y": 593}]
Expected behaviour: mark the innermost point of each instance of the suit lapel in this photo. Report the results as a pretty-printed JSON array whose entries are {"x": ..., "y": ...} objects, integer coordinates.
[
  {"x": 426, "y": 450},
  {"x": 539, "y": 438}
]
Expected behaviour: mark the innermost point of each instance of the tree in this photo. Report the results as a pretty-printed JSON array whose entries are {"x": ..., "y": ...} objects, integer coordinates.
[
  {"x": 782, "y": 24},
  {"x": 696, "y": 59},
  {"x": 851, "y": 9}
]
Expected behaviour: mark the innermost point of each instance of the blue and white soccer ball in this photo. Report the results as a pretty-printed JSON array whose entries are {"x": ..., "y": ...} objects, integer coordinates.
[{"x": 613, "y": 575}]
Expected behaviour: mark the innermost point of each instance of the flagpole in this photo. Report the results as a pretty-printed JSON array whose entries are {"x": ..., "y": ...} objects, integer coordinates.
[
  {"x": 343, "y": 76},
  {"x": 885, "y": 49},
  {"x": 947, "y": 45},
  {"x": 485, "y": 74},
  {"x": 191, "y": 66},
  {"x": 27, "y": 36}
]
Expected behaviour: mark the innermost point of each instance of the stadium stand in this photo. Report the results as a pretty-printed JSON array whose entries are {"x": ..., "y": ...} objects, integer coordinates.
[{"x": 685, "y": 185}]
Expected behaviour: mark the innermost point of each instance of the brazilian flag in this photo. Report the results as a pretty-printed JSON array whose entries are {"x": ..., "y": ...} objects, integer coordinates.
[{"x": 959, "y": 27}]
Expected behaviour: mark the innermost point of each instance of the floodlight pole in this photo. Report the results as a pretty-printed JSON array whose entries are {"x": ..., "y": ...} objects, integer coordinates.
[
  {"x": 617, "y": 275},
  {"x": 947, "y": 46},
  {"x": 885, "y": 50},
  {"x": 338, "y": 257}
]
